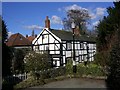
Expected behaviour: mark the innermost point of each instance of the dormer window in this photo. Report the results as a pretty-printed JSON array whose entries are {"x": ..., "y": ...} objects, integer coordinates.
[{"x": 21, "y": 38}]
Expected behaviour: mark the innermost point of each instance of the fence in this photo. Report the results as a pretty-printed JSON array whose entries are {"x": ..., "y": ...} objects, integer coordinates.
[
  {"x": 49, "y": 73},
  {"x": 21, "y": 76},
  {"x": 16, "y": 78}
]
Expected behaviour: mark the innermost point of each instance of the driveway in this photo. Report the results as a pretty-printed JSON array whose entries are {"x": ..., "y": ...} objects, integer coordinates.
[{"x": 75, "y": 83}]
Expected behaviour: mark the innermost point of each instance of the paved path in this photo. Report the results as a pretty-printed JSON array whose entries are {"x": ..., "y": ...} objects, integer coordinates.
[{"x": 75, "y": 83}]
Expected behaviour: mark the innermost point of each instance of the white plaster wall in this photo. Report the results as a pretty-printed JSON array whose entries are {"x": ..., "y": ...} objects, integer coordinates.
[
  {"x": 68, "y": 53},
  {"x": 64, "y": 46},
  {"x": 63, "y": 59},
  {"x": 78, "y": 46}
]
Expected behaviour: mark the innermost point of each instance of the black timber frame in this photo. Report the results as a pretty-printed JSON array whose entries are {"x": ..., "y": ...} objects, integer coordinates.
[{"x": 77, "y": 42}]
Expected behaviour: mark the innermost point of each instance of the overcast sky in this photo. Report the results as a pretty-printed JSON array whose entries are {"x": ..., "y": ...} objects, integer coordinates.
[{"x": 23, "y": 17}]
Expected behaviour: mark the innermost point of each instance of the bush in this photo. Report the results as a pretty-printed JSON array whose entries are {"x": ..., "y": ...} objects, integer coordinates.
[
  {"x": 9, "y": 82},
  {"x": 96, "y": 70},
  {"x": 90, "y": 69},
  {"x": 6, "y": 85},
  {"x": 69, "y": 67},
  {"x": 36, "y": 62},
  {"x": 102, "y": 58},
  {"x": 81, "y": 69},
  {"x": 113, "y": 79},
  {"x": 51, "y": 73},
  {"x": 28, "y": 83},
  {"x": 17, "y": 62}
]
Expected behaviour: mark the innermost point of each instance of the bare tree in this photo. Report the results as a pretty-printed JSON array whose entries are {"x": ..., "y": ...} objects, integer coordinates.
[{"x": 81, "y": 18}]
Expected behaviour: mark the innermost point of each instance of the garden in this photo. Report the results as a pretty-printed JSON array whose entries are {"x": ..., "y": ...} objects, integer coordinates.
[{"x": 40, "y": 71}]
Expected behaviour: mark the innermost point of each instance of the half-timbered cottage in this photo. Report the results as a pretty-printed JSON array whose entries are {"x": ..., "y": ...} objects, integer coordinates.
[{"x": 59, "y": 45}]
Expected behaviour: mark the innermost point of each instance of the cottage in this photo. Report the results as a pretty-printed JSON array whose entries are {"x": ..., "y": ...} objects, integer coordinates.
[
  {"x": 59, "y": 45},
  {"x": 18, "y": 41}
]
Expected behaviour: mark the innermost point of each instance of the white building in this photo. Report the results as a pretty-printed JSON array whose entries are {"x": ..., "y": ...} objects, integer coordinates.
[{"x": 59, "y": 45}]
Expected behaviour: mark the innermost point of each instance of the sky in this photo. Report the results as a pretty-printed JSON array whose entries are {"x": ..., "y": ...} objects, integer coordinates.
[{"x": 23, "y": 17}]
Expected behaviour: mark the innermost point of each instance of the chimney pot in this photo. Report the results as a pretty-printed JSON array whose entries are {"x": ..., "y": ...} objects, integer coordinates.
[
  {"x": 35, "y": 35},
  {"x": 26, "y": 36}
]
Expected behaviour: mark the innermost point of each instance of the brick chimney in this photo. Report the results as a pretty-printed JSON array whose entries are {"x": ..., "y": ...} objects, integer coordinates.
[{"x": 47, "y": 23}]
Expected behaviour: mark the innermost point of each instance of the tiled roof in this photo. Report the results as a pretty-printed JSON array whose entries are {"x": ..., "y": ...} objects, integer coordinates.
[
  {"x": 67, "y": 35},
  {"x": 18, "y": 40},
  {"x": 30, "y": 38}
]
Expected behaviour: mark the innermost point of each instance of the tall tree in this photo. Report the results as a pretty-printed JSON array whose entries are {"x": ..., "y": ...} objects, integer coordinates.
[
  {"x": 109, "y": 40},
  {"x": 6, "y": 52},
  {"x": 79, "y": 16},
  {"x": 107, "y": 27},
  {"x": 4, "y": 31}
]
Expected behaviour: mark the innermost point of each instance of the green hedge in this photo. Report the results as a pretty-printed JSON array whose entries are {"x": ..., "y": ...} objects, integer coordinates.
[
  {"x": 69, "y": 67},
  {"x": 90, "y": 69}
]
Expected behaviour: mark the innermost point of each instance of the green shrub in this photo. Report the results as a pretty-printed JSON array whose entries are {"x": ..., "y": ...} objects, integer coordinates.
[
  {"x": 96, "y": 70},
  {"x": 90, "y": 69},
  {"x": 51, "y": 73},
  {"x": 28, "y": 83},
  {"x": 113, "y": 79},
  {"x": 6, "y": 85},
  {"x": 62, "y": 71},
  {"x": 69, "y": 67},
  {"x": 9, "y": 82},
  {"x": 17, "y": 61},
  {"x": 40, "y": 78},
  {"x": 81, "y": 69},
  {"x": 36, "y": 62},
  {"x": 102, "y": 58}
]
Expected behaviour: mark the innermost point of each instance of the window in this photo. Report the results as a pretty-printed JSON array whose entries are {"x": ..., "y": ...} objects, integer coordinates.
[
  {"x": 54, "y": 63},
  {"x": 69, "y": 46},
  {"x": 47, "y": 47},
  {"x": 21, "y": 38},
  {"x": 81, "y": 45}
]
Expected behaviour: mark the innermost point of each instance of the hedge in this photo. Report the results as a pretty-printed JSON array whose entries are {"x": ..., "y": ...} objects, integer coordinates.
[{"x": 90, "y": 69}]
